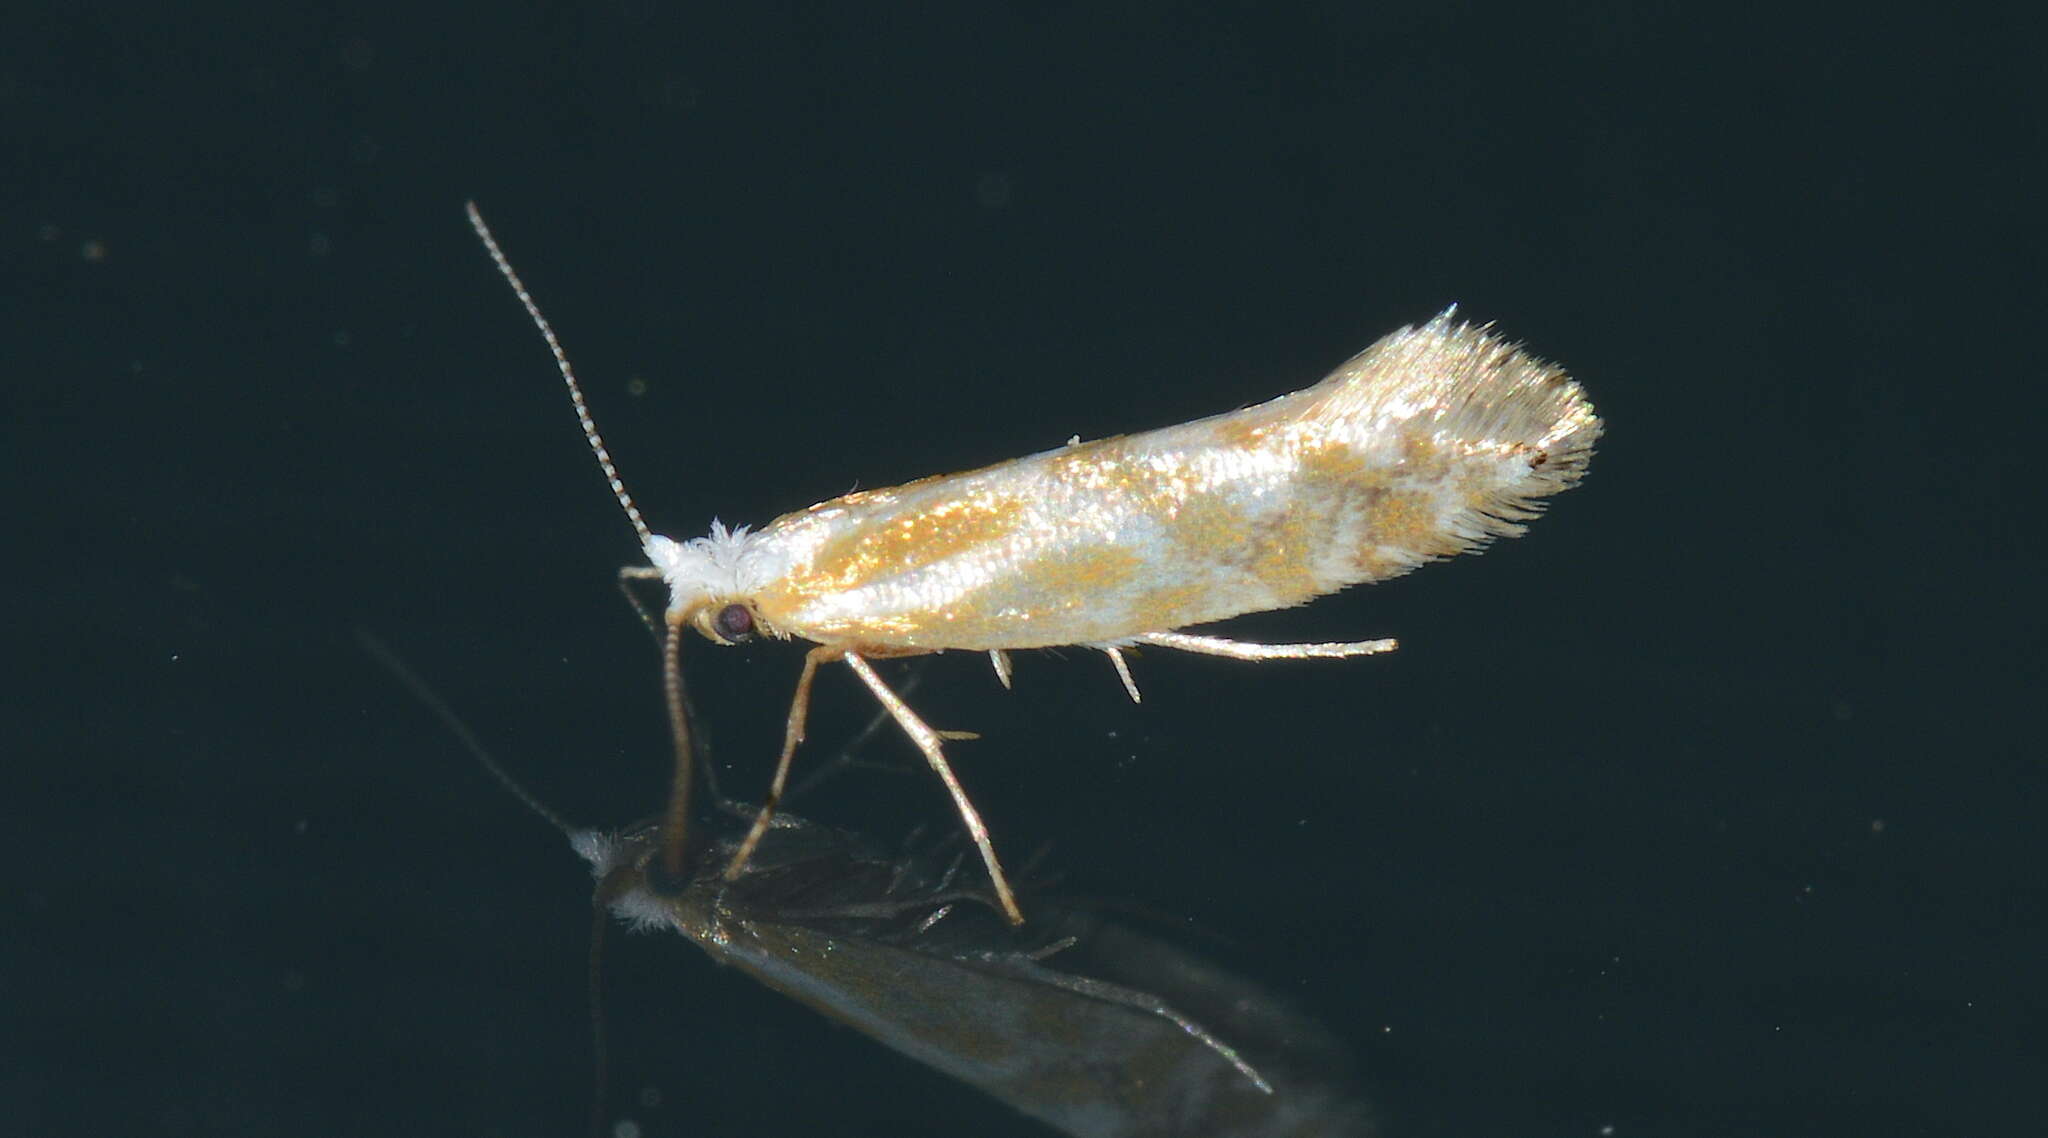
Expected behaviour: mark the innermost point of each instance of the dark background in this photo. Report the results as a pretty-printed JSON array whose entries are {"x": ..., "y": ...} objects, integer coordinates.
[{"x": 1705, "y": 809}]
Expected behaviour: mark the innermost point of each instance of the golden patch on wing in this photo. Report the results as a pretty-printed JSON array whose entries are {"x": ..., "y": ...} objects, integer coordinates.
[
  {"x": 1420, "y": 452},
  {"x": 1245, "y": 433},
  {"x": 1407, "y": 520},
  {"x": 1093, "y": 571},
  {"x": 1281, "y": 556},
  {"x": 1165, "y": 609},
  {"x": 1057, "y": 598},
  {"x": 911, "y": 541},
  {"x": 1337, "y": 468},
  {"x": 1373, "y": 563},
  {"x": 1204, "y": 523}
]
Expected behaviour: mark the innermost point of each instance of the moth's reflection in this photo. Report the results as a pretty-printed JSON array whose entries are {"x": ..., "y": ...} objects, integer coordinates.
[
  {"x": 1091, "y": 1025},
  {"x": 1094, "y": 1026}
]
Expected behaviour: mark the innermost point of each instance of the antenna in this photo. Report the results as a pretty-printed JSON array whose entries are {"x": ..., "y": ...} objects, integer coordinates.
[{"x": 547, "y": 331}]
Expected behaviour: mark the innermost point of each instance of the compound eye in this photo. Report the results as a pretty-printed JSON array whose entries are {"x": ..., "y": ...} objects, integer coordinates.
[{"x": 734, "y": 623}]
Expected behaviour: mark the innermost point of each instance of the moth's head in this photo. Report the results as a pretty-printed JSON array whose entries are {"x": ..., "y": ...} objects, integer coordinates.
[{"x": 709, "y": 581}]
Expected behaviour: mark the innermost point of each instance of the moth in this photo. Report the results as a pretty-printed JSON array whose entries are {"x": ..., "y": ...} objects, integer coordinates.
[{"x": 1433, "y": 441}]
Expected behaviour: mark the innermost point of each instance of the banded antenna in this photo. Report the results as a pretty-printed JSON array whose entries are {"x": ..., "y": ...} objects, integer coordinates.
[{"x": 547, "y": 331}]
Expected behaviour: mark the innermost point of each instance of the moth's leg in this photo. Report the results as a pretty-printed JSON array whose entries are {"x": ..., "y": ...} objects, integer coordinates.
[
  {"x": 927, "y": 740},
  {"x": 629, "y": 574},
  {"x": 1123, "y": 672},
  {"x": 1240, "y": 650},
  {"x": 848, "y": 756},
  {"x": 792, "y": 734},
  {"x": 1001, "y": 660}
]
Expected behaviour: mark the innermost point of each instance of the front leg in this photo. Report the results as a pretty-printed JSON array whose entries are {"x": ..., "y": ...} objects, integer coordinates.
[
  {"x": 629, "y": 574},
  {"x": 792, "y": 734}
]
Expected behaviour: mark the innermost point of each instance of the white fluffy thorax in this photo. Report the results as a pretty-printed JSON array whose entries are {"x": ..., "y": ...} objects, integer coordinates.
[{"x": 723, "y": 564}]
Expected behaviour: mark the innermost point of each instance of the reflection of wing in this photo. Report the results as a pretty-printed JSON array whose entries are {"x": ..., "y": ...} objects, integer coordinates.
[{"x": 1097, "y": 1029}]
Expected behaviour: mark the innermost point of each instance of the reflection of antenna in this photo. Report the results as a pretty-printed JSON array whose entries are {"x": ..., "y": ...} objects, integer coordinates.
[
  {"x": 578, "y": 837},
  {"x": 382, "y": 653}
]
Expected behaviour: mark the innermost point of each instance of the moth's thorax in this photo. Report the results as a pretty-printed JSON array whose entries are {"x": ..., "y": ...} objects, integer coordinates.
[{"x": 1429, "y": 443}]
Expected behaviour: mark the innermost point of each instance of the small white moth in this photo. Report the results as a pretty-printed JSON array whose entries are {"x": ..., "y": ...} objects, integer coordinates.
[{"x": 1429, "y": 443}]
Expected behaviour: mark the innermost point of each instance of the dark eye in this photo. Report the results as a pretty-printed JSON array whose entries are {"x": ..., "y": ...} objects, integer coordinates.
[{"x": 734, "y": 623}]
